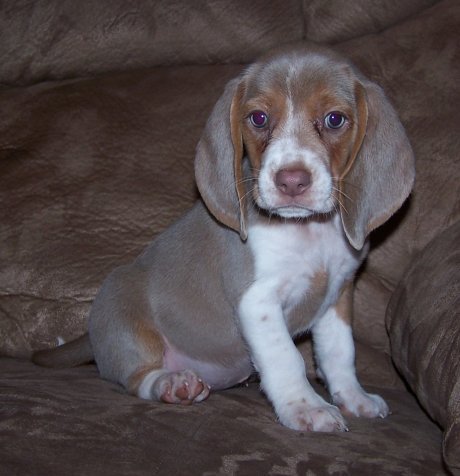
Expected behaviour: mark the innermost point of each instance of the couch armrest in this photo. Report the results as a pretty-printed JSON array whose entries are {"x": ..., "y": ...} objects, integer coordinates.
[{"x": 423, "y": 321}]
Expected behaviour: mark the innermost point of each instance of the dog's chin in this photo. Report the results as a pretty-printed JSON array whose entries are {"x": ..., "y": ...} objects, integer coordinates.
[
  {"x": 295, "y": 209},
  {"x": 296, "y": 212},
  {"x": 292, "y": 212}
]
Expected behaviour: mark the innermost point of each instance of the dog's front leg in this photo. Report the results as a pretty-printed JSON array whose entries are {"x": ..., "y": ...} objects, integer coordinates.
[
  {"x": 281, "y": 367},
  {"x": 335, "y": 355}
]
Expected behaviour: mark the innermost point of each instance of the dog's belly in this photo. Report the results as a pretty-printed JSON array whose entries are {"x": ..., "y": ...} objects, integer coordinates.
[{"x": 216, "y": 375}]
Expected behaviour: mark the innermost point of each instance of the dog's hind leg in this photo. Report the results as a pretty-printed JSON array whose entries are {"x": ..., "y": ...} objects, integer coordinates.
[
  {"x": 184, "y": 387},
  {"x": 129, "y": 349},
  {"x": 152, "y": 381}
]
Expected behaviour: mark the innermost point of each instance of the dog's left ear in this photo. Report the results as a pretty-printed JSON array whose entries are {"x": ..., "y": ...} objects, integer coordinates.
[
  {"x": 381, "y": 173},
  {"x": 219, "y": 161}
]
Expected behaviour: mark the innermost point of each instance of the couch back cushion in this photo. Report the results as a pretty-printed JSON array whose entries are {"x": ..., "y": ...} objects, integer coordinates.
[
  {"x": 338, "y": 20},
  {"x": 51, "y": 39}
]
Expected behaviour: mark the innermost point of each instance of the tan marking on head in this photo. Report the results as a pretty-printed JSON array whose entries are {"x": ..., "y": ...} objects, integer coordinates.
[
  {"x": 360, "y": 125},
  {"x": 238, "y": 149},
  {"x": 305, "y": 102},
  {"x": 338, "y": 143},
  {"x": 273, "y": 103}
]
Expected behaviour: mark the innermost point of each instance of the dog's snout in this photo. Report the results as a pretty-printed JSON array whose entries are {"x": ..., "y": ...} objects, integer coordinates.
[{"x": 292, "y": 182}]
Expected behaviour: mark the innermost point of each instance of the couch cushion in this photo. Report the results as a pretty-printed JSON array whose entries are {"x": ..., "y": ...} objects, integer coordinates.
[
  {"x": 50, "y": 39},
  {"x": 336, "y": 20},
  {"x": 71, "y": 422},
  {"x": 423, "y": 319}
]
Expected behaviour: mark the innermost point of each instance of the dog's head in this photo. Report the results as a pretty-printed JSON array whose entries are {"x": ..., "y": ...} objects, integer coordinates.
[{"x": 318, "y": 136}]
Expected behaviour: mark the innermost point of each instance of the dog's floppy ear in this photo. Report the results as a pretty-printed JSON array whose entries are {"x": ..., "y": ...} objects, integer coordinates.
[
  {"x": 219, "y": 161},
  {"x": 381, "y": 173}
]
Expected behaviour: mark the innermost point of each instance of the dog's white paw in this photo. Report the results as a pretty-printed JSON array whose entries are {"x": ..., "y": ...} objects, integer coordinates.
[
  {"x": 361, "y": 404},
  {"x": 298, "y": 415},
  {"x": 183, "y": 388}
]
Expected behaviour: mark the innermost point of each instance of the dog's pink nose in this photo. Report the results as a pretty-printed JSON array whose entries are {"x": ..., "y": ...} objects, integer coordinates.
[{"x": 292, "y": 182}]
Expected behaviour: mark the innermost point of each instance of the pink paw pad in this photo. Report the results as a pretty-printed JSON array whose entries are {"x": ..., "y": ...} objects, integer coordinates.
[{"x": 183, "y": 388}]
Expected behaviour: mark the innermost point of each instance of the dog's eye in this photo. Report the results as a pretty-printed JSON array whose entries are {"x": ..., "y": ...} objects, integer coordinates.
[
  {"x": 258, "y": 119},
  {"x": 334, "y": 120}
]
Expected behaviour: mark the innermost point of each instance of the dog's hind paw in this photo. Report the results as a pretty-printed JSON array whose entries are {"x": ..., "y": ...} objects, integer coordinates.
[{"x": 183, "y": 388}]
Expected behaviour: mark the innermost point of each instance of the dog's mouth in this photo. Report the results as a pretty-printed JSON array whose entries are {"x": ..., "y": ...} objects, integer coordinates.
[
  {"x": 274, "y": 203},
  {"x": 269, "y": 197},
  {"x": 297, "y": 212},
  {"x": 293, "y": 211}
]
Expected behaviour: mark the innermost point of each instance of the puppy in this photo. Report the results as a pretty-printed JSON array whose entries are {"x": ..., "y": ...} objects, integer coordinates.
[{"x": 301, "y": 158}]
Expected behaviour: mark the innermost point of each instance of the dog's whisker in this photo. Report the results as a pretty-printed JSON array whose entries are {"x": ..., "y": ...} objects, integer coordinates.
[
  {"x": 245, "y": 180},
  {"x": 249, "y": 193},
  {"x": 341, "y": 205},
  {"x": 342, "y": 193},
  {"x": 338, "y": 181}
]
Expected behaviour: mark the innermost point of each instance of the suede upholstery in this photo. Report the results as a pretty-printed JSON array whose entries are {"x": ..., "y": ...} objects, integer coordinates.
[
  {"x": 102, "y": 105},
  {"x": 425, "y": 333}
]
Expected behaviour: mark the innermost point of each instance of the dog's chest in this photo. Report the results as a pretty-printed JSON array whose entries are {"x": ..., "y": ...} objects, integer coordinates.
[{"x": 302, "y": 266}]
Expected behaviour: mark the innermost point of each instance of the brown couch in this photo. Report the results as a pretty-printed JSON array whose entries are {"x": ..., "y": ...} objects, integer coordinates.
[{"x": 102, "y": 103}]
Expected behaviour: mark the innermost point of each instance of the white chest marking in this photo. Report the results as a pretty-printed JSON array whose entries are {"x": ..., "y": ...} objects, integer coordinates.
[{"x": 289, "y": 255}]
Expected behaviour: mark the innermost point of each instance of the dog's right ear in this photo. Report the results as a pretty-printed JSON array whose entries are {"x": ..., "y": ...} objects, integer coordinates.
[
  {"x": 219, "y": 161},
  {"x": 381, "y": 174}
]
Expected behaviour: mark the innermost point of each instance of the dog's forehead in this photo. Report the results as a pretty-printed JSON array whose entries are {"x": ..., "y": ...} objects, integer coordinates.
[{"x": 301, "y": 75}]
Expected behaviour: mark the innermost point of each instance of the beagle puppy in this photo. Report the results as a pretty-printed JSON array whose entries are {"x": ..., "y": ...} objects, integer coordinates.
[{"x": 301, "y": 158}]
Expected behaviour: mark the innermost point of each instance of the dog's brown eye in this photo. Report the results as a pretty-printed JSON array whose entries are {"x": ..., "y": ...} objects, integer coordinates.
[
  {"x": 258, "y": 119},
  {"x": 334, "y": 120}
]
